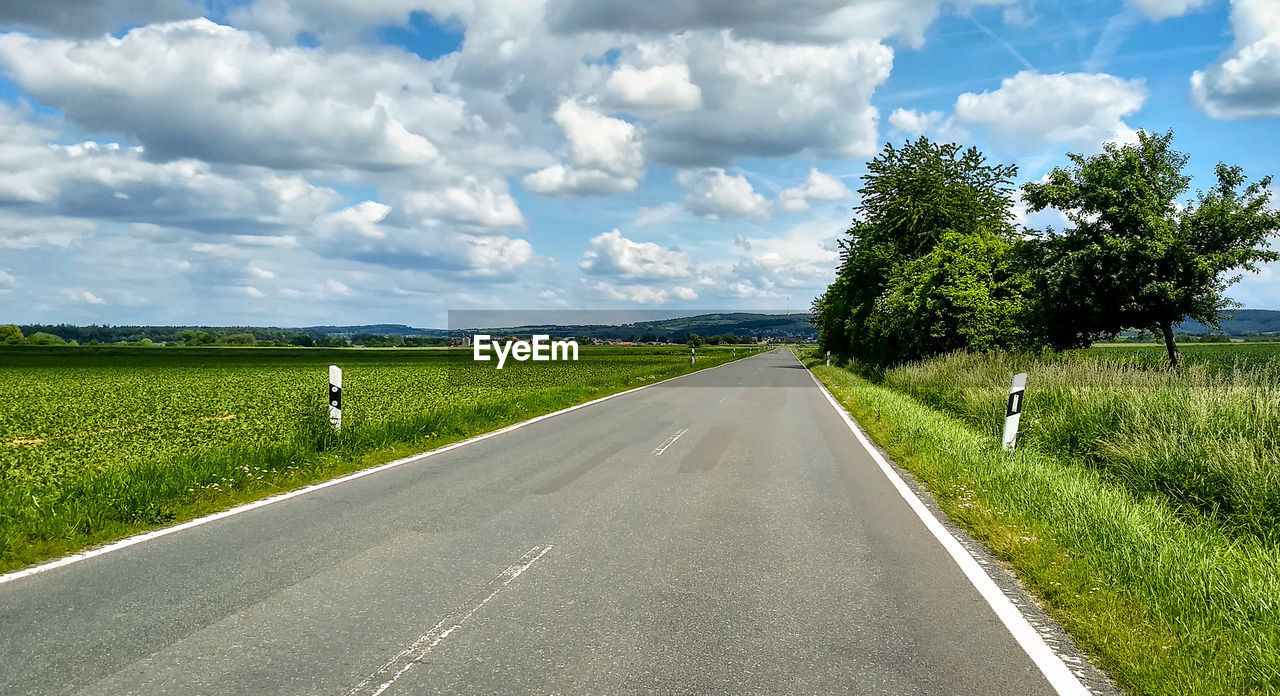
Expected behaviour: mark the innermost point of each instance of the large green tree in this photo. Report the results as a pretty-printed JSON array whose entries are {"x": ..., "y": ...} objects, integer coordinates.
[
  {"x": 928, "y": 265},
  {"x": 11, "y": 335},
  {"x": 1134, "y": 257}
]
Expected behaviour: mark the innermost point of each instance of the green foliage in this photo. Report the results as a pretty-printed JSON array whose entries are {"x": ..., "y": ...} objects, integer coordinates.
[
  {"x": 44, "y": 339},
  {"x": 240, "y": 339},
  {"x": 929, "y": 265},
  {"x": 1134, "y": 258},
  {"x": 11, "y": 335}
]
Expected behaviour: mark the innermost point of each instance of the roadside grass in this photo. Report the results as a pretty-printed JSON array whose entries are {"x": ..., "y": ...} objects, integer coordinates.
[
  {"x": 1208, "y": 439},
  {"x": 43, "y": 521},
  {"x": 1166, "y": 603}
]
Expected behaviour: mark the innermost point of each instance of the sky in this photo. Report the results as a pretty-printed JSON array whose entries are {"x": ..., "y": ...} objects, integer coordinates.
[{"x": 300, "y": 162}]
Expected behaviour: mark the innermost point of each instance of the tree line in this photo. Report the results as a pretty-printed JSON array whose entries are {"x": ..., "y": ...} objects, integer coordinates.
[{"x": 934, "y": 261}]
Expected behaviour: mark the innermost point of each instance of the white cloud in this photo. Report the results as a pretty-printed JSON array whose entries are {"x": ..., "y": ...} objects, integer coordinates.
[
  {"x": 91, "y": 17},
  {"x": 1245, "y": 81},
  {"x": 614, "y": 255},
  {"x": 336, "y": 287},
  {"x": 718, "y": 196},
  {"x": 763, "y": 99},
  {"x": 1157, "y": 10},
  {"x": 253, "y": 292},
  {"x": 202, "y": 90},
  {"x": 605, "y": 154},
  {"x": 914, "y": 123},
  {"x": 1075, "y": 108},
  {"x": 261, "y": 273},
  {"x": 83, "y": 296},
  {"x": 639, "y": 294},
  {"x": 360, "y": 219},
  {"x": 817, "y": 21},
  {"x": 106, "y": 181},
  {"x": 7, "y": 280},
  {"x": 817, "y": 187},
  {"x": 471, "y": 201},
  {"x": 655, "y": 91}
]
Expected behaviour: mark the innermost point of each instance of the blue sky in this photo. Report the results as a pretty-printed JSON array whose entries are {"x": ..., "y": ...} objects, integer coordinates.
[{"x": 290, "y": 163}]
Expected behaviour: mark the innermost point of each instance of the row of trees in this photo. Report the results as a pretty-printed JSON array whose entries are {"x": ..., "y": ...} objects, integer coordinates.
[{"x": 934, "y": 262}]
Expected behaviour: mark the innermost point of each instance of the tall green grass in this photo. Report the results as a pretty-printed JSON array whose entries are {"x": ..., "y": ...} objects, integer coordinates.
[
  {"x": 1167, "y": 603},
  {"x": 1208, "y": 438}
]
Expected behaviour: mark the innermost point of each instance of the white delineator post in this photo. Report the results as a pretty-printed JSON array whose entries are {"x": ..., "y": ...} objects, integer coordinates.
[
  {"x": 828, "y": 358},
  {"x": 693, "y": 354},
  {"x": 1013, "y": 410},
  {"x": 335, "y": 397}
]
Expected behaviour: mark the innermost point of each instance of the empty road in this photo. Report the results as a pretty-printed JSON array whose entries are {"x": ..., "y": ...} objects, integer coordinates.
[{"x": 720, "y": 533}]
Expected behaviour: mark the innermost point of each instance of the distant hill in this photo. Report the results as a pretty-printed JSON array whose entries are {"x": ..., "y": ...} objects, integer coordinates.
[
  {"x": 379, "y": 329},
  {"x": 737, "y": 323},
  {"x": 1240, "y": 323}
]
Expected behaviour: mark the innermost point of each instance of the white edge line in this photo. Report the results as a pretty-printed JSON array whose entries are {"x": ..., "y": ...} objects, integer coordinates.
[
  {"x": 1050, "y": 663},
  {"x": 214, "y": 517}
]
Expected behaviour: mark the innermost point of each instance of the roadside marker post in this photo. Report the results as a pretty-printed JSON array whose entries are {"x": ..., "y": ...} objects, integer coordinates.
[
  {"x": 1013, "y": 410},
  {"x": 693, "y": 355},
  {"x": 335, "y": 397},
  {"x": 828, "y": 358}
]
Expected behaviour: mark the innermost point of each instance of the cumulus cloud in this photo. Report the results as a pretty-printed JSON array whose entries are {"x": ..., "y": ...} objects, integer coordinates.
[
  {"x": 641, "y": 294},
  {"x": 817, "y": 187},
  {"x": 604, "y": 152},
  {"x": 83, "y": 296},
  {"x": 614, "y": 255},
  {"x": 763, "y": 99},
  {"x": 812, "y": 21},
  {"x": 92, "y": 17},
  {"x": 1245, "y": 81},
  {"x": 471, "y": 201},
  {"x": 7, "y": 280},
  {"x": 716, "y": 195},
  {"x": 914, "y": 123},
  {"x": 107, "y": 181},
  {"x": 196, "y": 89},
  {"x": 373, "y": 233},
  {"x": 653, "y": 91},
  {"x": 1031, "y": 108}
]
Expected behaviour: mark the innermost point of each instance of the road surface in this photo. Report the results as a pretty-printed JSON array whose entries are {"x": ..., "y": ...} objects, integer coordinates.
[{"x": 719, "y": 533}]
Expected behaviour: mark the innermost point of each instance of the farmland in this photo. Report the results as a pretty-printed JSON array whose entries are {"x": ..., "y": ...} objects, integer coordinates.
[{"x": 95, "y": 443}]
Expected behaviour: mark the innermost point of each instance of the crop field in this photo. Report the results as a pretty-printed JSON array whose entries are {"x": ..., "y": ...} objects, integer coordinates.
[{"x": 95, "y": 442}]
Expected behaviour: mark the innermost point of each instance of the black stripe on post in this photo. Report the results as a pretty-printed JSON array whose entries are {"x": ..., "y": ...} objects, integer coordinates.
[
  {"x": 335, "y": 396},
  {"x": 1014, "y": 407}
]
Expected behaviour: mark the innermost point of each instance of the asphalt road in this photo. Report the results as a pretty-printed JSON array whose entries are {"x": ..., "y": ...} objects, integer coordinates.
[{"x": 760, "y": 551}]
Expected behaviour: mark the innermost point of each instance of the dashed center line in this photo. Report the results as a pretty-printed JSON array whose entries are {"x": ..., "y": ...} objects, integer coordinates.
[
  {"x": 386, "y": 675},
  {"x": 670, "y": 441}
]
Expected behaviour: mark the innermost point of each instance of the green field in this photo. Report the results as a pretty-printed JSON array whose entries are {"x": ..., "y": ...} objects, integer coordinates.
[
  {"x": 1142, "y": 505},
  {"x": 96, "y": 443}
]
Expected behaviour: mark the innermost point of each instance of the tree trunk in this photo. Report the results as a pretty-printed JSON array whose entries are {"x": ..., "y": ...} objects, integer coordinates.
[{"x": 1166, "y": 328}]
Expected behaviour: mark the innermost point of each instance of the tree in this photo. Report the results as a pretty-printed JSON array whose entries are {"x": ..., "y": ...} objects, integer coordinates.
[
  {"x": 1134, "y": 258},
  {"x": 41, "y": 338},
  {"x": 927, "y": 266},
  {"x": 240, "y": 339},
  {"x": 11, "y": 335}
]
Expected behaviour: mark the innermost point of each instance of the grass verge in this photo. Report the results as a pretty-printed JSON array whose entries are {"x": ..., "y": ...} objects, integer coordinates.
[
  {"x": 38, "y": 524},
  {"x": 1165, "y": 604}
]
